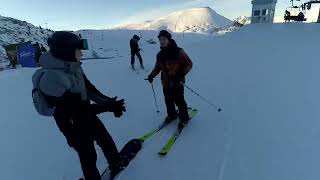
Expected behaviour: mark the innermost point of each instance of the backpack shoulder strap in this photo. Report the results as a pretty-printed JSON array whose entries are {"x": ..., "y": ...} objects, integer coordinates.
[{"x": 38, "y": 81}]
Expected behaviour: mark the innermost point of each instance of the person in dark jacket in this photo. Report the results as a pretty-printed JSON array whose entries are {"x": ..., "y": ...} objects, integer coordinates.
[
  {"x": 174, "y": 64},
  {"x": 135, "y": 51},
  {"x": 68, "y": 89}
]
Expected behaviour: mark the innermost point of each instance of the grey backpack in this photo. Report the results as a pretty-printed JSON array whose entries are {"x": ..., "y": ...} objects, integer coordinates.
[{"x": 39, "y": 98}]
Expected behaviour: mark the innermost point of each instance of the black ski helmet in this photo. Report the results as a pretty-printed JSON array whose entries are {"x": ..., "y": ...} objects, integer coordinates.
[
  {"x": 165, "y": 33},
  {"x": 63, "y": 45},
  {"x": 136, "y": 37}
]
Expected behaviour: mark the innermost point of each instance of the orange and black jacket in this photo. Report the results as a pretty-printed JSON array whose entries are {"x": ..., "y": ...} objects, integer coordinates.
[{"x": 174, "y": 64}]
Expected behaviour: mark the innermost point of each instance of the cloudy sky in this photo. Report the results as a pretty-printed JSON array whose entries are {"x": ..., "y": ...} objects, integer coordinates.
[{"x": 99, "y": 14}]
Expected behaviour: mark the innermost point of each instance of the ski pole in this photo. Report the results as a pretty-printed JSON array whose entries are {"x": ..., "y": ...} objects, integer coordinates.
[
  {"x": 204, "y": 99},
  {"x": 155, "y": 99},
  {"x": 154, "y": 96}
]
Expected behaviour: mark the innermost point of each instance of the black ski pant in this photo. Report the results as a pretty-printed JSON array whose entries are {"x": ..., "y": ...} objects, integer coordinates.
[
  {"x": 82, "y": 137},
  {"x": 174, "y": 96},
  {"x": 133, "y": 54}
]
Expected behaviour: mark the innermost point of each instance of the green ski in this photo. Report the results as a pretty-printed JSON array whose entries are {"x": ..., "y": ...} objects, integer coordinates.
[
  {"x": 150, "y": 134},
  {"x": 166, "y": 148},
  {"x": 163, "y": 125}
]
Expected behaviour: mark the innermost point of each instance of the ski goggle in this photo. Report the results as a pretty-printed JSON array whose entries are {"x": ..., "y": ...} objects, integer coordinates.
[{"x": 83, "y": 44}]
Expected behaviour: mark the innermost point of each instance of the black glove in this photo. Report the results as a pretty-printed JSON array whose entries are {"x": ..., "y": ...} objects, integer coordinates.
[
  {"x": 118, "y": 108},
  {"x": 112, "y": 105},
  {"x": 150, "y": 79},
  {"x": 112, "y": 100}
]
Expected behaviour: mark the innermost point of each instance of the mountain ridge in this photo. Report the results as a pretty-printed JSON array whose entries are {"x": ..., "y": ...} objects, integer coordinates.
[{"x": 203, "y": 19}]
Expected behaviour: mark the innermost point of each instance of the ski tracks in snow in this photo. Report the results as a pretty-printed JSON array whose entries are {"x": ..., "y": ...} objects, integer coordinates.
[{"x": 228, "y": 146}]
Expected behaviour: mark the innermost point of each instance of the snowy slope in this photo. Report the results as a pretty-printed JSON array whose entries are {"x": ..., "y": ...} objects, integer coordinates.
[
  {"x": 15, "y": 31},
  {"x": 190, "y": 20},
  {"x": 268, "y": 130}
]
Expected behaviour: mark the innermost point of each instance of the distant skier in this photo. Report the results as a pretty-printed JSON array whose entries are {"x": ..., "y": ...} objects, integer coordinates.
[
  {"x": 174, "y": 64},
  {"x": 300, "y": 17},
  {"x": 135, "y": 51},
  {"x": 67, "y": 88},
  {"x": 38, "y": 52}
]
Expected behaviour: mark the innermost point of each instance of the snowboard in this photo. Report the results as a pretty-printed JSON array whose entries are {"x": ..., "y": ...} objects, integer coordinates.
[{"x": 129, "y": 152}]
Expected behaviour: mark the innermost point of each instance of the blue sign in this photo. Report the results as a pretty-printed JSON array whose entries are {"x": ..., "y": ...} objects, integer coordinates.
[{"x": 26, "y": 56}]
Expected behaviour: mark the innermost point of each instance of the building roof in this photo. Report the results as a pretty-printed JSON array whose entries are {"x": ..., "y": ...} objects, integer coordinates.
[{"x": 263, "y": 1}]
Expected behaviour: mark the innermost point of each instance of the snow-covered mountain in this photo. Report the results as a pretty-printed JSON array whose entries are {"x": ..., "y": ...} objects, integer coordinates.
[
  {"x": 16, "y": 31},
  {"x": 190, "y": 20}
]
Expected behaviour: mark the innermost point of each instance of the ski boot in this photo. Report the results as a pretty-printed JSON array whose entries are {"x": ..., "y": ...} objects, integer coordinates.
[
  {"x": 183, "y": 124},
  {"x": 169, "y": 119}
]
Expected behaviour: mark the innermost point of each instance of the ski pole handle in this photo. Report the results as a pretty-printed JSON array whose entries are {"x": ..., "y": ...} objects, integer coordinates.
[{"x": 150, "y": 81}]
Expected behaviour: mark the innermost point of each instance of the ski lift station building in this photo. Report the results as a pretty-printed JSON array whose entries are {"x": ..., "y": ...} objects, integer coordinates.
[{"x": 263, "y": 11}]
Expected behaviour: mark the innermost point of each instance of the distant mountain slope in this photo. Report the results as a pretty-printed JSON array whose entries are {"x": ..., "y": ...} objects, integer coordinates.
[{"x": 190, "y": 20}]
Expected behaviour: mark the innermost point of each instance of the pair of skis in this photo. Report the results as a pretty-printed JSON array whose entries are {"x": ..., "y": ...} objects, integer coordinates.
[{"x": 167, "y": 147}]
